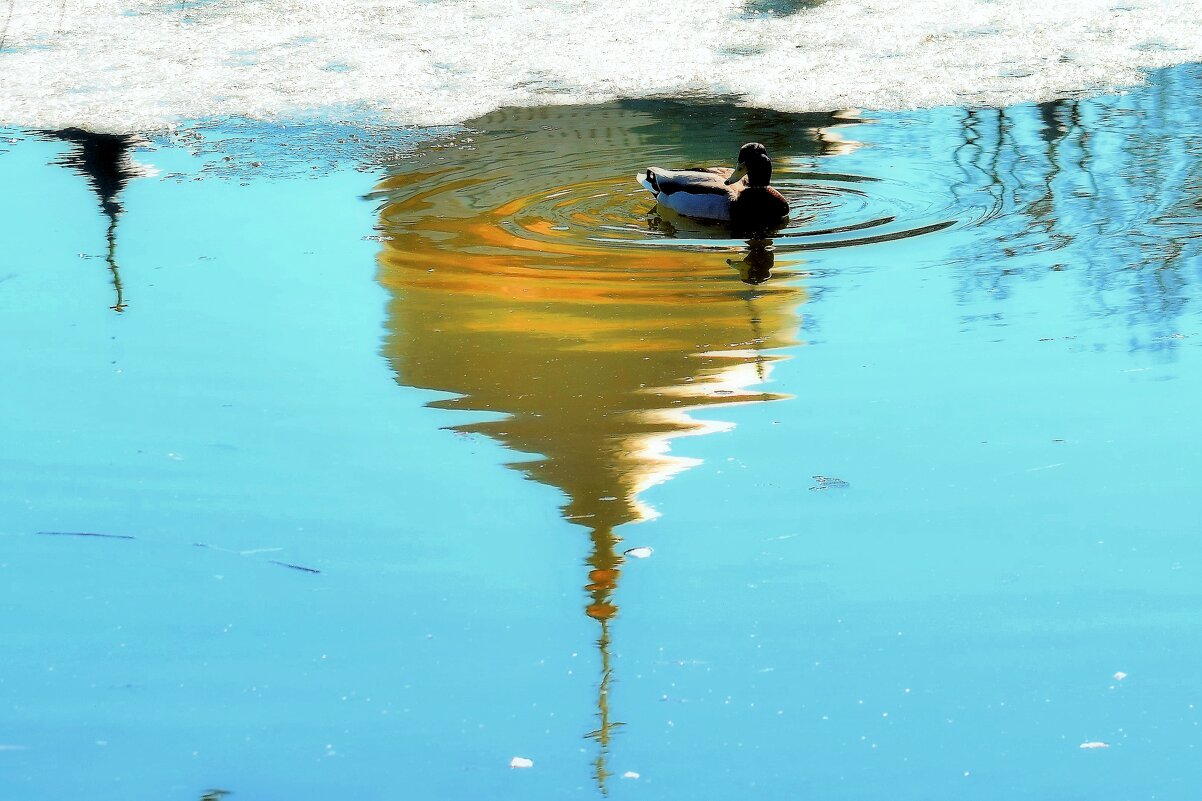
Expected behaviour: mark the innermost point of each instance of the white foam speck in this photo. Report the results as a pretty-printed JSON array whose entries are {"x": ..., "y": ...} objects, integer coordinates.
[{"x": 144, "y": 64}]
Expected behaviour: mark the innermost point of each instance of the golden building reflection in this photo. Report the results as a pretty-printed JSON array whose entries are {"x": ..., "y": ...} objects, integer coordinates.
[{"x": 529, "y": 278}]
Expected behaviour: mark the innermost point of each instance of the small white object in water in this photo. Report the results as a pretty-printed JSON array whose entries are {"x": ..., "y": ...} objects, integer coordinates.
[
  {"x": 642, "y": 552},
  {"x": 1095, "y": 744},
  {"x": 521, "y": 762},
  {"x": 1120, "y": 676},
  {"x": 630, "y": 774}
]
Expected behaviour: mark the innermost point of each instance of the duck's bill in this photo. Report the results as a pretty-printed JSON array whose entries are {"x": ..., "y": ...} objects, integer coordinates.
[{"x": 738, "y": 174}]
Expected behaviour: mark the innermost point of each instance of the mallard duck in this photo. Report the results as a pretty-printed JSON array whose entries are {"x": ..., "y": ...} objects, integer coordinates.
[{"x": 719, "y": 193}]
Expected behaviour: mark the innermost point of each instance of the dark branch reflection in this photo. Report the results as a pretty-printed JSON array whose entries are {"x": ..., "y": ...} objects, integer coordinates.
[{"x": 104, "y": 160}]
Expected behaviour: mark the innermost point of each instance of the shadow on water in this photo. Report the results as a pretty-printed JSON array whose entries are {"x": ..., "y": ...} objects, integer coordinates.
[
  {"x": 532, "y": 279},
  {"x": 780, "y": 8},
  {"x": 104, "y": 160}
]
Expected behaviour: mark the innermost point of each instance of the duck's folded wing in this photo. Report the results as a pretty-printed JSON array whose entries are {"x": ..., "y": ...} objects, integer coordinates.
[
  {"x": 708, "y": 180},
  {"x": 693, "y": 193}
]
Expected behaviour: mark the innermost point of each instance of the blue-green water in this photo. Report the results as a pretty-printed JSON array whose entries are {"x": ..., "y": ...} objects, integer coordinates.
[{"x": 986, "y": 325}]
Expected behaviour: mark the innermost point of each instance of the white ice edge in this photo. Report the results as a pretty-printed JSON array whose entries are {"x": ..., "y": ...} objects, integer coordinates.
[{"x": 111, "y": 65}]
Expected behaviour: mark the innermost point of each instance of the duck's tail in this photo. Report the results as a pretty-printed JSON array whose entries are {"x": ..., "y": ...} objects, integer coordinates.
[{"x": 648, "y": 180}]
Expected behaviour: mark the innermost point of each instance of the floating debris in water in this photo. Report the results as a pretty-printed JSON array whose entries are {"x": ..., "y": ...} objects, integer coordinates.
[
  {"x": 86, "y": 534},
  {"x": 829, "y": 482},
  {"x": 630, "y": 774},
  {"x": 1119, "y": 676},
  {"x": 1095, "y": 744},
  {"x": 521, "y": 762},
  {"x": 642, "y": 552},
  {"x": 301, "y": 568}
]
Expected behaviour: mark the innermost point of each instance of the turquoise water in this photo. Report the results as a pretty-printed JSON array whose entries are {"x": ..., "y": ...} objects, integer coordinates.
[{"x": 925, "y": 527}]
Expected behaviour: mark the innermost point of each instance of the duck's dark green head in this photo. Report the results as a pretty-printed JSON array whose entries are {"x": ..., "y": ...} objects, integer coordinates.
[{"x": 754, "y": 163}]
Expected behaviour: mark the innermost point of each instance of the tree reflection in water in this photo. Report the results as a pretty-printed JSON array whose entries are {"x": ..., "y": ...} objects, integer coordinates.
[
  {"x": 1107, "y": 188},
  {"x": 104, "y": 160}
]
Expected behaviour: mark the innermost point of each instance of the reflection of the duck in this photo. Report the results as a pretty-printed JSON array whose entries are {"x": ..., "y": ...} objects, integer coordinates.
[
  {"x": 104, "y": 160},
  {"x": 754, "y": 266},
  {"x": 590, "y": 355}
]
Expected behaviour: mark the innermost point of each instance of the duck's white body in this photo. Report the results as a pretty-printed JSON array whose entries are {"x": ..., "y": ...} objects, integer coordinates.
[
  {"x": 740, "y": 197},
  {"x": 702, "y": 194}
]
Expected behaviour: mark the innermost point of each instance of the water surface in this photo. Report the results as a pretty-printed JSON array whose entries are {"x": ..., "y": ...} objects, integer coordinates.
[{"x": 916, "y": 471}]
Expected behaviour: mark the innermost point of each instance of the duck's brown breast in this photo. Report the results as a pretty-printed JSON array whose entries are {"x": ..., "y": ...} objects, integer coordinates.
[{"x": 759, "y": 205}]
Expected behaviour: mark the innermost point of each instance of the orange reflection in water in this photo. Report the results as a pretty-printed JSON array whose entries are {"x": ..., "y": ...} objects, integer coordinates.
[
  {"x": 594, "y": 355},
  {"x": 529, "y": 278}
]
